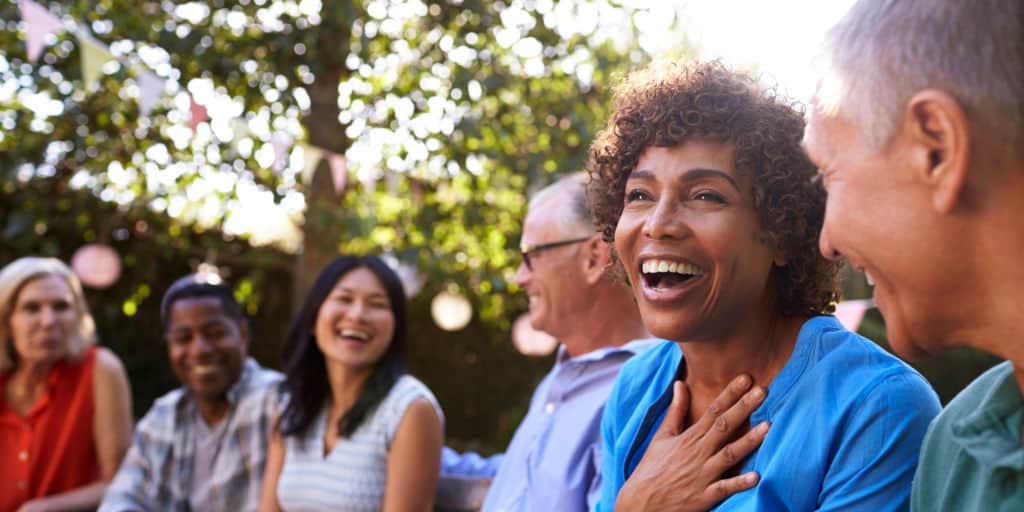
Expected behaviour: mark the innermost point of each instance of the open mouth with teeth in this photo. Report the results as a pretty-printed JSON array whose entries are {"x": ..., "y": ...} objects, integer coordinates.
[
  {"x": 664, "y": 274},
  {"x": 352, "y": 335}
]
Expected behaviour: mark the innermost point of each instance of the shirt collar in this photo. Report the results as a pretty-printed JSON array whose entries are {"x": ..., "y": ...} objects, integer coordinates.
[
  {"x": 633, "y": 346},
  {"x": 991, "y": 433}
]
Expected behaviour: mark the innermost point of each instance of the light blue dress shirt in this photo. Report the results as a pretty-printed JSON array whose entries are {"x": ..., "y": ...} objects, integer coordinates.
[
  {"x": 554, "y": 459},
  {"x": 847, "y": 421}
]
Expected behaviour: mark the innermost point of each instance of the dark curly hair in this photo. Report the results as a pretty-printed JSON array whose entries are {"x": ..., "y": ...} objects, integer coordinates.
[{"x": 668, "y": 104}]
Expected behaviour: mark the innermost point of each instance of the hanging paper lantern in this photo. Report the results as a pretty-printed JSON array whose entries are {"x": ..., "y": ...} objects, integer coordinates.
[
  {"x": 451, "y": 311},
  {"x": 529, "y": 341},
  {"x": 96, "y": 265}
]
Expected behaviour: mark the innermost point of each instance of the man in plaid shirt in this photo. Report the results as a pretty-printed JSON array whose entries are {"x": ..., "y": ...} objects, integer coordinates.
[{"x": 202, "y": 446}]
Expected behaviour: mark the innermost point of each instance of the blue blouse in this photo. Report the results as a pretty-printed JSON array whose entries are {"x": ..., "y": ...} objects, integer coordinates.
[{"x": 847, "y": 424}]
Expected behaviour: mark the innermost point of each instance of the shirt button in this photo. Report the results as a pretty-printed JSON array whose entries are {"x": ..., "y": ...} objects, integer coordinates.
[
  {"x": 23, "y": 455},
  {"x": 549, "y": 408},
  {"x": 22, "y": 485}
]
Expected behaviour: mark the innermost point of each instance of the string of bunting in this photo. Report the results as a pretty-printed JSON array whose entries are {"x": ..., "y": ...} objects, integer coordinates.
[{"x": 41, "y": 24}]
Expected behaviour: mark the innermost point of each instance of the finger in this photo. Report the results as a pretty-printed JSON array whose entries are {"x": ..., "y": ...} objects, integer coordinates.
[
  {"x": 722, "y": 489},
  {"x": 739, "y": 414},
  {"x": 672, "y": 425},
  {"x": 732, "y": 453},
  {"x": 726, "y": 399}
]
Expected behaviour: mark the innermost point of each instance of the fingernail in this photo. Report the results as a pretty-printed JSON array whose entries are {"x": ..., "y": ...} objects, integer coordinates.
[
  {"x": 757, "y": 392},
  {"x": 750, "y": 478},
  {"x": 762, "y": 427},
  {"x": 743, "y": 380}
]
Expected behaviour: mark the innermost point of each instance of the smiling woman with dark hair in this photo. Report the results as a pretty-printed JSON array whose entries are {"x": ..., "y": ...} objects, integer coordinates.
[
  {"x": 356, "y": 432},
  {"x": 700, "y": 182}
]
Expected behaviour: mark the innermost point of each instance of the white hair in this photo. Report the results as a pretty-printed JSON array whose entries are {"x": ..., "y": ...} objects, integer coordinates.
[
  {"x": 13, "y": 278},
  {"x": 577, "y": 219},
  {"x": 885, "y": 51}
]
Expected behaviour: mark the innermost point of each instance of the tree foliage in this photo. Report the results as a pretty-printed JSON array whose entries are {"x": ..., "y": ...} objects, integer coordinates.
[{"x": 450, "y": 113}]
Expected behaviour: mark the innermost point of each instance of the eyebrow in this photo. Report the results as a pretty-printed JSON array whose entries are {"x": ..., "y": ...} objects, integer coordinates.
[
  {"x": 690, "y": 175},
  {"x": 372, "y": 295}
]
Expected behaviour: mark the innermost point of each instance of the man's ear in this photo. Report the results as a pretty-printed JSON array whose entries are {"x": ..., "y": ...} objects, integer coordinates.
[
  {"x": 938, "y": 127},
  {"x": 598, "y": 257}
]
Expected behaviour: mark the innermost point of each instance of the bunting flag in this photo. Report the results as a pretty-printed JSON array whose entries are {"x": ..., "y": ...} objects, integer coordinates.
[
  {"x": 339, "y": 171},
  {"x": 240, "y": 128},
  {"x": 311, "y": 156},
  {"x": 39, "y": 23},
  {"x": 94, "y": 56},
  {"x": 151, "y": 87},
  {"x": 416, "y": 191},
  {"x": 851, "y": 312},
  {"x": 197, "y": 113},
  {"x": 392, "y": 181},
  {"x": 280, "y": 143}
]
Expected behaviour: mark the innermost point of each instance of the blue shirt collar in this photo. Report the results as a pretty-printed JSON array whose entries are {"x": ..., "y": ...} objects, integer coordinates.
[{"x": 633, "y": 346}]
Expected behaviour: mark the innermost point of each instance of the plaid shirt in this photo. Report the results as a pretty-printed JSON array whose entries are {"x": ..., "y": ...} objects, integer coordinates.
[{"x": 157, "y": 471}]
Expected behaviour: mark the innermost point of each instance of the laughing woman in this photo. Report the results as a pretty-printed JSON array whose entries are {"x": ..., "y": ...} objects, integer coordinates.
[
  {"x": 700, "y": 182},
  {"x": 356, "y": 432}
]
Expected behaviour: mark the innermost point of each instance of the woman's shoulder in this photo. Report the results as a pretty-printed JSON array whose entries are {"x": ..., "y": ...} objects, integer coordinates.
[
  {"x": 106, "y": 362},
  {"x": 833, "y": 346},
  {"x": 405, "y": 392},
  {"x": 857, "y": 368}
]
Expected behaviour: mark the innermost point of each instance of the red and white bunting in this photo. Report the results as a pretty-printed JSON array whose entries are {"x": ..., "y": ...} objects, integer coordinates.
[
  {"x": 851, "y": 312},
  {"x": 39, "y": 23},
  {"x": 281, "y": 144},
  {"x": 339, "y": 171},
  {"x": 198, "y": 113}
]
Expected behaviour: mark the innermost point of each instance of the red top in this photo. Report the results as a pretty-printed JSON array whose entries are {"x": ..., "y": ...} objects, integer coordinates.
[{"x": 51, "y": 450}]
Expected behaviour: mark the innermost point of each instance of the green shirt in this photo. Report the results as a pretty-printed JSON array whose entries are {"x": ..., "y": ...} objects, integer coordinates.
[{"x": 972, "y": 459}]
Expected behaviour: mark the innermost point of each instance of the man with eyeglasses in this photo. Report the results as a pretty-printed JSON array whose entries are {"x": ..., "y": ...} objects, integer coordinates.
[{"x": 554, "y": 459}]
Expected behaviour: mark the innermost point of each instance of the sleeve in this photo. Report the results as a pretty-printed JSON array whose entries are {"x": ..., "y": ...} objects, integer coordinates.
[
  {"x": 131, "y": 488},
  {"x": 404, "y": 392},
  {"x": 880, "y": 447},
  {"x": 607, "y": 481},
  {"x": 469, "y": 464},
  {"x": 465, "y": 479}
]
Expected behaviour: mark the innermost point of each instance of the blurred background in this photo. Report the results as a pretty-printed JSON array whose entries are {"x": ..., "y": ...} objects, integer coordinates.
[{"x": 142, "y": 140}]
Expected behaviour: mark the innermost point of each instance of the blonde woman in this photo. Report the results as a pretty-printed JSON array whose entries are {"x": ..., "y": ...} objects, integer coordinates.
[{"x": 65, "y": 417}]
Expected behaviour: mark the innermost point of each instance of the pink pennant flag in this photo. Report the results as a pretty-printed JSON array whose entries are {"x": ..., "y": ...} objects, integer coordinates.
[
  {"x": 198, "y": 113},
  {"x": 851, "y": 312},
  {"x": 39, "y": 23},
  {"x": 339, "y": 172}
]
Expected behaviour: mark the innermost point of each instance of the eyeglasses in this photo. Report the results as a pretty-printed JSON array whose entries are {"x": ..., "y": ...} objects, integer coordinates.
[{"x": 534, "y": 249}]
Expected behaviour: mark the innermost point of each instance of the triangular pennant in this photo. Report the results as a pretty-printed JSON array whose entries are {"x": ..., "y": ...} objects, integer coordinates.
[
  {"x": 339, "y": 171},
  {"x": 39, "y": 23},
  {"x": 197, "y": 113},
  {"x": 416, "y": 191},
  {"x": 240, "y": 128},
  {"x": 311, "y": 156},
  {"x": 392, "y": 181},
  {"x": 851, "y": 312},
  {"x": 280, "y": 143},
  {"x": 94, "y": 56},
  {"x": 151, "y": 88}
]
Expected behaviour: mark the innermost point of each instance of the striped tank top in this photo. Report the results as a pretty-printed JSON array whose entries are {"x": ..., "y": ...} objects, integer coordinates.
[{"x": 352, "y": 476}]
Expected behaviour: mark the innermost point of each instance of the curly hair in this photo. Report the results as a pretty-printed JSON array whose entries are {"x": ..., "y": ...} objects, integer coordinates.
[{"x": 669, "y": 104}]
